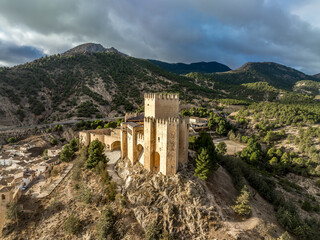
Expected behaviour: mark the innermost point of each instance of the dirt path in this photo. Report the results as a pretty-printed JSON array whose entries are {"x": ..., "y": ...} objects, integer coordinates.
[
  {"x": 49, "y": 190},
  {"x": 232, "y": 146},
  {"x": 113, "y": 159}
]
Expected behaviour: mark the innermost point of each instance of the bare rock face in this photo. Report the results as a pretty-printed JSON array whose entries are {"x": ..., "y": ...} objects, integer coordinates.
[
  {"x": 179, "y": 204},
  {"x": 90, "y": 48}
]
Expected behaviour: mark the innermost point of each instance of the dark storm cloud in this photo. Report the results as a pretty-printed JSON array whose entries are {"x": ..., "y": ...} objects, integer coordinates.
[
  {"x": 11, "y": 53},
  {"x": 228, "y": 31}
]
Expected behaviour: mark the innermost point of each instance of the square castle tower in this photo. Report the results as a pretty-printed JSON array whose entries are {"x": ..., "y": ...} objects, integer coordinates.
[{"x": 161, "y": 141}]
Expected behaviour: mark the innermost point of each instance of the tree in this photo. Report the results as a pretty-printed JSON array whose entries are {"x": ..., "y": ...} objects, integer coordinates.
[
  {"x": 254, "y": 158},
  {"x": 242, "y": 206},
  {"x": 203, "y": 165},
  {"x": 58, "y": 128},
  {"x": 74, "y": 144},
  {"x": 222, "y": 148},
  {"x": 96, "y": 154},
  {"x": 273, "y": 161},
  {"x": 67, "y": 153},
  {"x": 105, "y": 227}
]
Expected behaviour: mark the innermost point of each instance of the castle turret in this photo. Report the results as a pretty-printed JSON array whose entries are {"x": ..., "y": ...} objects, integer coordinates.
[{"x": 161, "y": 105}]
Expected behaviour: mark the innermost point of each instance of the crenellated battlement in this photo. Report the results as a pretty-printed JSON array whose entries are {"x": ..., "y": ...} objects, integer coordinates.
[
  {"x": 167, "y": 121},
  {"x": 140, "y": 137},
  {"x": 162, "y": 96},
  {"x": 148, "y": 119}
]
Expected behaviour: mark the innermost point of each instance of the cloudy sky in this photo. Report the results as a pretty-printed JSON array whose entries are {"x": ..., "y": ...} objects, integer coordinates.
[{"x": 232, "y": 32}]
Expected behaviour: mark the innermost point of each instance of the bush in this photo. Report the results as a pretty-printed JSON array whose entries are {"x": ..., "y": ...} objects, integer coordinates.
[
  {"x": 45, "y": 154},
  {"x": 72, "y": 224},
  {"x": 13, "y": 211},
  {"x": 105, "y": 227},
  {"x": 242, "y": 206},
  {"x": 306, "y": 205},
  {"x": 54, "y": 172},
  {"x": 12, "y": 140},
  {"x": 85, "y": 194},
  {"x": 222, "y": 148},
  {"x": 54, "y": 141},
  {"x": 152, "y": 232}
]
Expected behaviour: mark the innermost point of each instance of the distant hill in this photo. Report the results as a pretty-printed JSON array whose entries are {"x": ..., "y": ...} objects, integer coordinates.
[
  {"x": 317, "y": 76},
  {"x": 308, "y": 87},
  {"x": 90, "y": 48},
  {"x": 275, "y": 74},
  {"x": 92, "y": 81},
  {"x": 182, "y": 68}
]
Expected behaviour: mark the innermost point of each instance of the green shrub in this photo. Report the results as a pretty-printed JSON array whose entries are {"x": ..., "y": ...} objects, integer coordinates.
[
  {"x": 13, "y": 211},
  {"x": 222, "y": 148},
  {"x": 152, "y": 231},
  {"x": 54, "y": 141},
  {"x": 306, "y": 205},
  {"x": 12, "y": 140},
  {"x": 105, "y": 227},
  {"x": 72, "y": 225}
]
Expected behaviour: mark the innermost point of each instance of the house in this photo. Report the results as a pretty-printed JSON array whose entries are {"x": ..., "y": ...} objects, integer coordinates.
[{"x": 52, "y": 152}]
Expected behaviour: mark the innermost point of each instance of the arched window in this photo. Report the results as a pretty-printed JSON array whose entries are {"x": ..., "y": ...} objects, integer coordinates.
[{"x": 3, "y": 197}]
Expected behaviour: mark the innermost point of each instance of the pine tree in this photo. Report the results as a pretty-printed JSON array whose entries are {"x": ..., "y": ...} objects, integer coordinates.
[
  {"x": 96, "y": 154},
  {"x": 242, "y": 206},
  {"x": 67, "y": 153},
  {"x": 204, "y": 165}
]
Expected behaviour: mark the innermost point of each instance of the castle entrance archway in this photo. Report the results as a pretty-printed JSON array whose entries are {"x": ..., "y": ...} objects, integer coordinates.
[
  {"x": 115, "y": 146},
  {"x": 156, "y": 163}
]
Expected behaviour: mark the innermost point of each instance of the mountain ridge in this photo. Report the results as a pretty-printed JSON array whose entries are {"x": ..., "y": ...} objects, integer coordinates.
[
  {"x": 91, "y": 48},
  {"x": 92, "y": 81},
  {"x": 184, "y": 68}
]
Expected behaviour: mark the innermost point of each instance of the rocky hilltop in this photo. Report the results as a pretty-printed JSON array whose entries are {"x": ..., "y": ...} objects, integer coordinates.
[{"x": 90, "y": 48}]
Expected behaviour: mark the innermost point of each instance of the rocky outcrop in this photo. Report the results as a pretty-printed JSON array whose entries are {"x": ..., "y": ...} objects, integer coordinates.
[{"x": 179, "y": 204}]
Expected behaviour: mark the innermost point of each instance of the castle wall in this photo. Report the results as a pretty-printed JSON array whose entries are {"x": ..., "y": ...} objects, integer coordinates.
[
  {"x": 84, "y": 138},
  {"x": 124, "y": 142},
  {"x": 183, "y": 141},
  {"x": 161, "y": 143},
  {"x": 149, "y": 142},
  {"x": 167, "y": 144},
  {"x": 109, "y": 140},
  {"x": 172, "y": 147},
  {"x": 94, "y": 136}
]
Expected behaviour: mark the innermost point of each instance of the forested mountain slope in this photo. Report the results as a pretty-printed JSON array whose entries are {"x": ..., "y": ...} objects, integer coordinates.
[
  {"x": 84, "y": 83},
  {"x": 92, "y": 81},
  {"x": 182, "y": 68}
]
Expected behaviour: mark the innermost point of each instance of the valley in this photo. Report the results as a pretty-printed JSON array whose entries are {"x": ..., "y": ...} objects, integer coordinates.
[{"x": 253, "y": 167}]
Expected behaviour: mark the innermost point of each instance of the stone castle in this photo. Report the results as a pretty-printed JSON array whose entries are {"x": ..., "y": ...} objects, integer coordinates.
[{"x": 158, "y": 139}]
